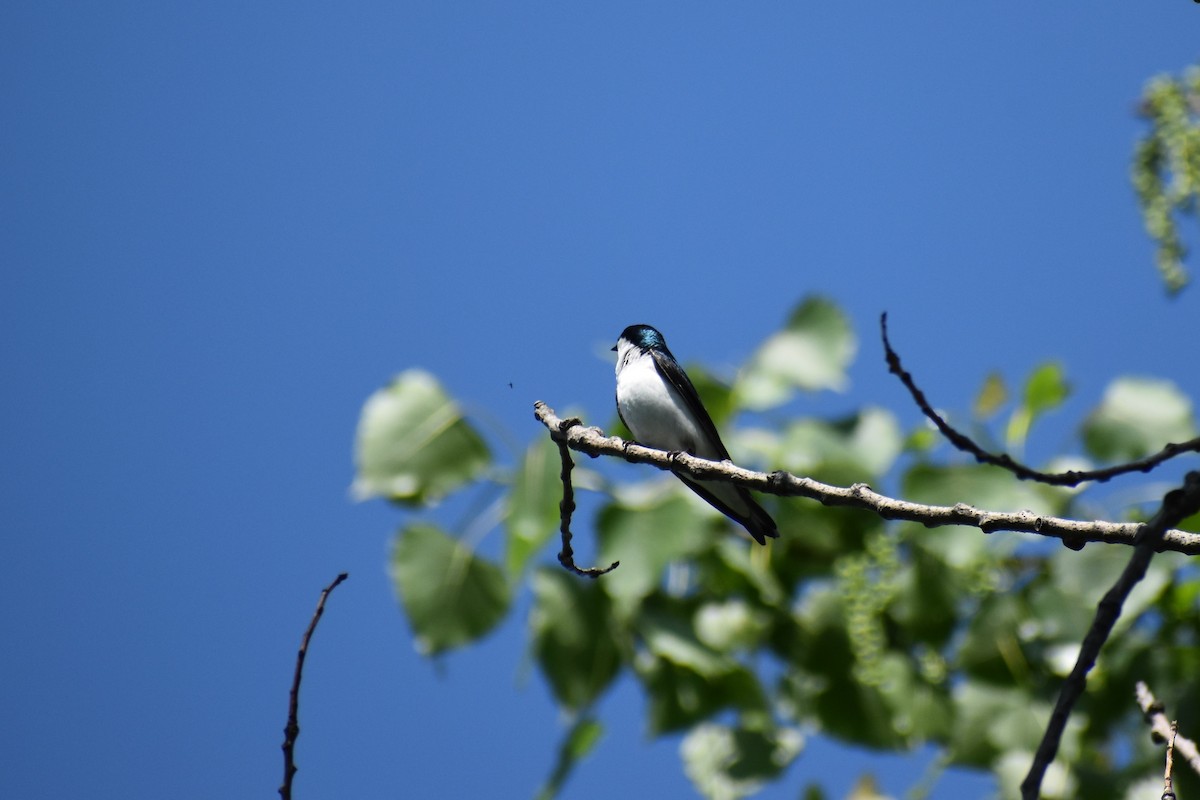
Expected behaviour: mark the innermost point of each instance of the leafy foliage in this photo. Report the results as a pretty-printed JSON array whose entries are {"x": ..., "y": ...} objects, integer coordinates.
[
  {"x": 1137, "y": 417},
  {"x": 451, "y": 595},
  {"x": 1166, "y": 167},
  {"x": 413, "y": 444},
  {"x": 811, "y": 352},
  {"x": 884, "y": 635}
]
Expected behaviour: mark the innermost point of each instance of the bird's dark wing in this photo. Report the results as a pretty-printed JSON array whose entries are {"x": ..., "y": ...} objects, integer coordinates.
[{"x": 670, "y": 370}]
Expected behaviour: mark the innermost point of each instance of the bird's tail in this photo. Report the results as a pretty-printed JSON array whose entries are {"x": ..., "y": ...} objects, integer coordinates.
[
  {"x": 736, "y": 503},
  {"x": 759, "y": 523}
]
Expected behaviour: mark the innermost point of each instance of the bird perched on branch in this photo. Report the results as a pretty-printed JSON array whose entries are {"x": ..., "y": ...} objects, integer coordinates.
[{"x": 658, "y": 403}]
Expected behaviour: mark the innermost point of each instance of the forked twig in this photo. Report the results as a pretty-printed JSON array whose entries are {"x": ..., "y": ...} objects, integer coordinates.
[
  {"x": 1160, "y": 726},
  {"x": 1005, "y": 461},
  {"x": 566, "y": 506},
  {"x": 1178, "y": 504}
]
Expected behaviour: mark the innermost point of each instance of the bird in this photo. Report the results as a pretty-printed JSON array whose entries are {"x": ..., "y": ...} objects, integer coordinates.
[{"x": 659, "y": 405}]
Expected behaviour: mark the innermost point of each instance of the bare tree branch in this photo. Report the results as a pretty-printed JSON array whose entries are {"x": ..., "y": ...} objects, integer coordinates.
[
  {"x": 292, "y": 730},
  {"x": 1005, "y": 461},
  {"x": 566, "y": 508},
  {"x": 1073, "y": 533},
  {"x": 1178, "y": 504},
  {"x": 1160, "y": 726}
]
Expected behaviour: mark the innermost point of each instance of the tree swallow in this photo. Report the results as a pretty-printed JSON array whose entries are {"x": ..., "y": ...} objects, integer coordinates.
[{"x": 658, "y": 403}]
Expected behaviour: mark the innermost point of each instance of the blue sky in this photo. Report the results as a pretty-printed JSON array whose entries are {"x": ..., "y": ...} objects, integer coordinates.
[{"x": 224, "y": 226}]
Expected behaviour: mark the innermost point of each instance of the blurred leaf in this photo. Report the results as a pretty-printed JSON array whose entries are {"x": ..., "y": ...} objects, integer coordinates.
[
  {"x": 922, "y": 439},
  {"x": 687, "y": 681},
  {"x": 821, "y": 686},
  {"x": 857, "y": 448},
  {"x": 572, "y": 636},
  {"x": 865, "y": 788},
  {"x": 1057, "y": 784},
  {"x": 413, "y": 444},
  {"x": 715, "y": 395},
  {"x": 1082, "y": 579},
  {"x": 1136, "y": 417},
  {"x": 811, "y": 352},
  {"x": 729, "y": 625},
  {"x": 858, "y": 713},
  {"x": 726, "y": 763},
  {"x": 678, "y": 697},
  {"x": 533, "y": 514},
  {"x": 991, "y": 649},
  {"x": 450, "y": 594},
  {"x": 993, "y": 720},
  {"x": 736, "y": 570},
  {"x": 645, "y": 540},
  {"x": 918, "y": 710},
  {"x": 979, "y": 485},
  {"x": 992, "y": 396},
  {"x": 1045, "y": 390},
  {"x": 668, "y": 635},
  {"x": 580, "y": 740},
  {"x": 927, "y": 597}
]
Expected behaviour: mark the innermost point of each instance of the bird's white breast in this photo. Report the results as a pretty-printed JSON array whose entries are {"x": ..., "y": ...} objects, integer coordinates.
[{"x": 655, "y": 413}]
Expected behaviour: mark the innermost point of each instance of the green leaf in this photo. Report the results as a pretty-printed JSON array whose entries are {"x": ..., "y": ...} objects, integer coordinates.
[
  {"x": 716, "y": 396},
  {"x": 980, "y": 485},
  {"x": 730, "y": 625},
  {"x": 1136, "y": 417},
  {"x": 927, "y": 596},
  {"x": 992, "y": 650},
  {"x": 645, "y": 539},
  {"x": 573, "y": 639},
  {"x": 992, "y": 720},
  {"x": 1045, "y": 390},
  {"x": 413, "y": 445},
  {"x": 992, "y": 396},
  {"x": 533, "y": 514},
  {"x": 921, "y": 712},
  {"x": 726, "y": 763},
  {"x": 678, "y": 698},
  {"x": 983, "y": 487},
  {"x": 821, "y": 686},
  {"x": 669, "y": 636},
  {"x": 450, "y": 594},
  {"x": 583, "y": 737},
  {"x": 687, "y": 681},
  {"x": 859, "y": 714},
  {"x": 1081, "y": 579},
  {"x": 812, "y": 352},
  {"x": 857, "y": 448},
  {"x": 922, "y": 439}
]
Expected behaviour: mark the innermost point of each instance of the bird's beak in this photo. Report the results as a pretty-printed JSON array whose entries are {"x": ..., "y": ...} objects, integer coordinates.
[{"x": 614, "y": 348}]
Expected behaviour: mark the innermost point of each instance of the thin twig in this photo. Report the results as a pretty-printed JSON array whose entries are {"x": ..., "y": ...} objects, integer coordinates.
[
  {"x": 1073, "y": 533},
  {"x": 1005, "y": 461},
  {"x": 566, "y": 508},
  {"x": 1178, "y": 504},
  {"x": 1160, "y": 727},
  {"x": 292, "y": 730},
  {"x": 1168, "y": 792}
]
